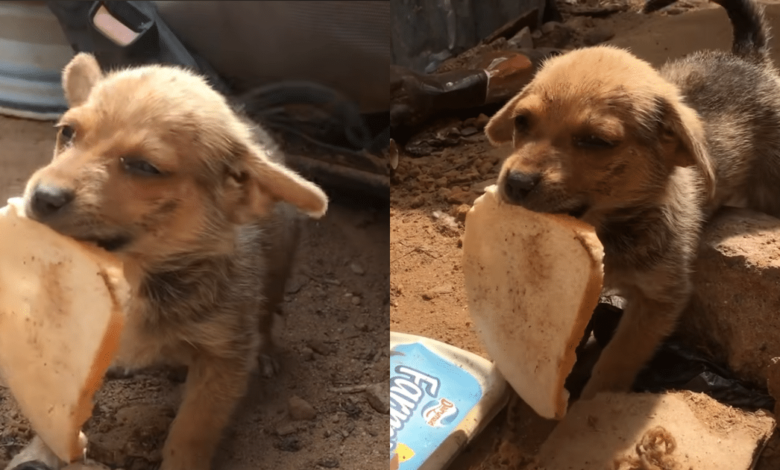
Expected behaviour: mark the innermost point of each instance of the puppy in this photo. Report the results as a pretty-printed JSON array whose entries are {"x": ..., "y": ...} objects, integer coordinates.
[
  {"x": 152, "y": 164},
  {"x": 646, "y": 156}
]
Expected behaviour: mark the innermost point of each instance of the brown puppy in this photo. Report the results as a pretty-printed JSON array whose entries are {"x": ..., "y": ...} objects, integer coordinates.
[
  {"x": 647, "y": 156},
  {"x": 154, "y": 165}
]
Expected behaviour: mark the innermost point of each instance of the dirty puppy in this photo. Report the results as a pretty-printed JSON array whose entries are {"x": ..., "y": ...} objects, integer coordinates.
[
  {"x": 647, "y": 157},
  {"x": 154, "y": 165}
]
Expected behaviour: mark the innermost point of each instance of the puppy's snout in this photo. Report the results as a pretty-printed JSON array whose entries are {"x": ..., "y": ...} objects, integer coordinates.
[
  {"x": 46, "y": 200},
  {"x": 517, "y": 185}
]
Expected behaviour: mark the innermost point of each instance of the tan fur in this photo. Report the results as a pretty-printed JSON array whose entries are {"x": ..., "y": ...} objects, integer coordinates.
[
  {"x": 208, "y": 243},
  {"x": 649, "y": 190}
]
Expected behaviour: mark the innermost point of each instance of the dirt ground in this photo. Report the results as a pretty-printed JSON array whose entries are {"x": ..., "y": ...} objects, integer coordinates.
[
  {"x": 444, "y": 169},
  {"x": 334, "y": 334}
]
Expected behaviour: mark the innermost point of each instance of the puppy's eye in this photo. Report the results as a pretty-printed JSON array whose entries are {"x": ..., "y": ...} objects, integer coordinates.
[
  {"x": 139, "y": 167},
  {"x": 594, "y": 142},
  {"x": 67, "y": 133},
  {"x": 521, "y": 123}
]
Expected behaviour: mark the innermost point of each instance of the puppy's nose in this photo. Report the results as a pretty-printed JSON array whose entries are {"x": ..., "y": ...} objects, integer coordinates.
[
  {"x": 517, "y": 184},
  {"x": 48, "y": 200}
]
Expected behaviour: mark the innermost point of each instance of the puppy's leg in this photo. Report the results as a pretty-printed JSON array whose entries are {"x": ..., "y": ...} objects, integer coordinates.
[
  {"x": 645, "y": 324},
  {"x": 213, "y": 388}
]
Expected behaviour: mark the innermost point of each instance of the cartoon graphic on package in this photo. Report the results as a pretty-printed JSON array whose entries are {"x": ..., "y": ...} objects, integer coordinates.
[{"x": 429, "y": 397}]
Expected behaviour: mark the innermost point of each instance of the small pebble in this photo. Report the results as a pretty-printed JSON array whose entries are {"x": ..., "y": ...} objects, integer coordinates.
[{"x": 300, "y": 409}]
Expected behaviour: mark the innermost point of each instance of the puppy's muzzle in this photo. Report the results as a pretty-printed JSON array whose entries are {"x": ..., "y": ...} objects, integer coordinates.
[
  {"x": 518, "y": 185},
  {"x": 47, "y": 201}
]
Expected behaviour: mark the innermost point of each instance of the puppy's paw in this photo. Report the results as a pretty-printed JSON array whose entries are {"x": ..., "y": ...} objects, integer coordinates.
[{"x": 601, "y": 381}]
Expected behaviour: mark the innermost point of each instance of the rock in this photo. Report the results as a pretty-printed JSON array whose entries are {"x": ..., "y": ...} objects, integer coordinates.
[
  {"x": 522, "y": 40},
  {"x": 300, "y": 409},
  {"x": 307, "y": 353},
  {"x": 285, "y": 429},
  {"x": 734, "y": 310},
  {"x": 480, "y": 187},
  {"x": 459, "y": 196},
  {"x": 556, "y": 34},
  {"x": 417, "y": 201},
  {"x": 441, "y": 182},
  {"x": 356, "y": 300},
  {"x": 378, "y": 396},
  {"x": 598, "y": 35},
  {"x": 357, "y": 269},
  {"x": 320, "y": 347},
  {"x": 461, "y": 211},
  {"x": 444, "y": 193},
  {"x": 481, "y": 121},
  {"x": 328, "y": 462},
  {"x": 470, "y": 130},
  {"x": 442, "y": 289}
]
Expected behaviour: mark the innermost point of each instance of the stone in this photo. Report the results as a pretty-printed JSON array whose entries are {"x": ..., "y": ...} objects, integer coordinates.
[
  {"x": 285, "y": 429},
  {"x": 470, "y": 130},
  {"x": 378, "y": 396},
  {"x": 459, "y": 196},
  {"x": 734, "y": 310},
  {"x": 480, "y": 186},
  {"x": 357, "y": 269},
  {"x": 557, "y": 34},
  {"x": 598, "y": 35},
  {"x": 300, "y": 409},
  {"x": 522, "y": 40},
  {"x": 461, "y": 211},
  {"x": 481, "y": 121}
]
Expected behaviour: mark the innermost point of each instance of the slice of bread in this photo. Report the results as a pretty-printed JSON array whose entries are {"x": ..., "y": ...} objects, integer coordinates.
[
  {"x": 61, "y": 315},
  {"x": 532, "y": 282}
]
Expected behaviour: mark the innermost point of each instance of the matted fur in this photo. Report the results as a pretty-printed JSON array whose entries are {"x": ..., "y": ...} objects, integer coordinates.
[
  {"x": 647, "y": 156},
  {"x": 208, "y": 242}
]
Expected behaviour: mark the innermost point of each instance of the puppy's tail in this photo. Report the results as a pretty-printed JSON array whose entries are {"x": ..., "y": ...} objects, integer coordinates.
[{"x": 751, "y": 31}]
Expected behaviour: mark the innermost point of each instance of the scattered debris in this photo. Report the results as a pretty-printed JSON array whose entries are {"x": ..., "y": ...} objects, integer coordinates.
[
  {"x": 522, "y": 40},
  {"x": 300, "y": 409},
  {"x": 378, "y": 396}
]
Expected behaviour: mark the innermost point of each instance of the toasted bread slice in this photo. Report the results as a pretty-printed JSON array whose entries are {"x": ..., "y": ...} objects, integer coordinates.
[
  {"x": 532, "y": 282},
  {"x": 61, "y": 315}
]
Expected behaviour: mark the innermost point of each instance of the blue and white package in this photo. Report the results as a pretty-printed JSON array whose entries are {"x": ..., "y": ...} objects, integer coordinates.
[{"x": 436, "y": 392}]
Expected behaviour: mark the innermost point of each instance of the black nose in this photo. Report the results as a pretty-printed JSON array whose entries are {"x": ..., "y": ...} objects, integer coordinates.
[
  {"x": 517, "y": 185},
  {"x": 48, "y": 200}
]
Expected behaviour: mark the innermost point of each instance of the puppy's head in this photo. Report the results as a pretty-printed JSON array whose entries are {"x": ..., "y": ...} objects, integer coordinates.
[
  {"x": 597, "y": 130},
  {"x": 151, "y": 161}
]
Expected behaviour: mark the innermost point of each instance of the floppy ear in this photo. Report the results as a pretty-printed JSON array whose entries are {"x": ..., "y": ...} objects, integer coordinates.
[
  {"x": 501, "y": 127},
  {"x": 79, "y": 77},
  {"x": 685, "y": 125},
  {"x": 264, "y": 182}
]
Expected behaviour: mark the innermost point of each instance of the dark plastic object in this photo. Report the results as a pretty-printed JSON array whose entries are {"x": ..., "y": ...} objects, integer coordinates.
[
  {"x": 34, "y": 465},
  {"x": 678, "y": 367},
  {"x": 156, "y": 42}
]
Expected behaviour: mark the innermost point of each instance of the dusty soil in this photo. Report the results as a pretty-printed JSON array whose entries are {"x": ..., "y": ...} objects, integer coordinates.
[
  {"x": 441, "y": 172},
  {"x": 334, "y": 334}
]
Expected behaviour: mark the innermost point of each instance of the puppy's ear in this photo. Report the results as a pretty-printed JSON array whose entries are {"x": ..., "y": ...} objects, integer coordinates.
[
  {"x": 79, "y": 77},
  {"x": 684, "y": 124},
  {"x": 263, "y": 182},
  {"x": 501, "y": 127}
]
